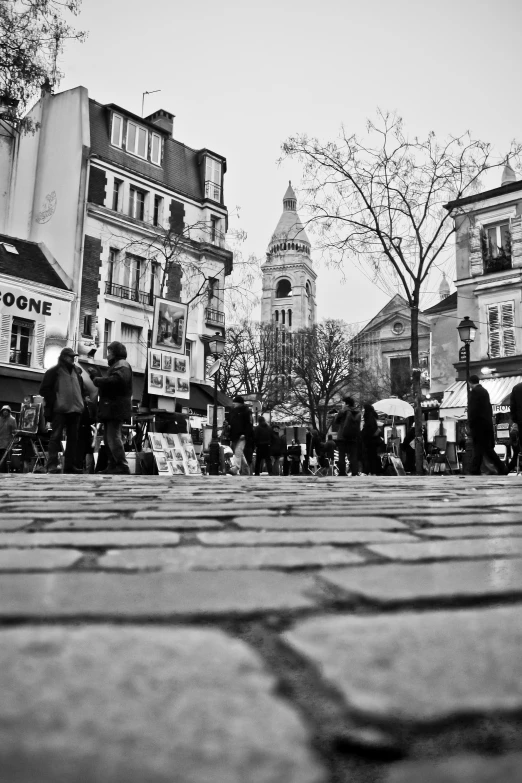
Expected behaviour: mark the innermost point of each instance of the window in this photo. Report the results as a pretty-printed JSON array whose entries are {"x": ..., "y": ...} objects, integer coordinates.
[
  {"x": 157, "y": 216},
  {"x": 87, "y": 325},
  {"x": 116, "y": 195},
  {"x": 400, "y": 375},
  {"x": 277, "y": 316},
  {"x": 155, "y": 149},
  {"x": 214, "y": 230},
  {"x": 398, "y": 327},
  {"x": 155, "y": 281},
  {"x": 137, "y": 140},
  {"x": 498, "y": 239},
  {"x": 212, "y": 289},
  {"x": 289, "y": 318},
  {"x": 308, "y": 289},
  {"x": 137, "y": 203},
  {"x": 213, "y": 179},
  {"x": 107, "y": 336},
  {"x": 283, "y": 313},
  {"x": 501, "y": 330},
  {"x": 112, "y": 271},
  {"x": 117, "y": 130},
  {"x": 22, "y": 333},
  {"x": 284, "y": 289},
  {"x": 131, "y": 338}
]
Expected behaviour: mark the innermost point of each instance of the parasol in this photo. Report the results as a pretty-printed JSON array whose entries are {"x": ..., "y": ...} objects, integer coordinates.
[{"x": 394, "y": 407}]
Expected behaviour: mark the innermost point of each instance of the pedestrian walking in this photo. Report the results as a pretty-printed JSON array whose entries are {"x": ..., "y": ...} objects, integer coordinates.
[
  {"x": 347, "y": 424},
  {"x": 115, "y": 406},
  {"x": 276, "y": 450},
  {"x": 294, "y": 457},
  {"x": 480, "y": 420},
  {"x": 263, "y": 442},
  {"x": 240, "y": 420},
  {"x": 371, "y": 440},
  {"x": 64, "y": 394},
  {"x": 7, "y": 430}
]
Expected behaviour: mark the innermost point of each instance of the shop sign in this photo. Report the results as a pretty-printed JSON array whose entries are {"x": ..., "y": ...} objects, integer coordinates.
[{"x": 500, "y": 409}]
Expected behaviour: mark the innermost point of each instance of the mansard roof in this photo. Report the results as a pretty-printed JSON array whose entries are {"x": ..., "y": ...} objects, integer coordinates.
[{"x": 28, "y": 263}]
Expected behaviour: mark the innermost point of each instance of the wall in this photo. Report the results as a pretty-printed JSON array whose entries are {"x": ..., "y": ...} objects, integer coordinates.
[{"x": 445, "y": 349}]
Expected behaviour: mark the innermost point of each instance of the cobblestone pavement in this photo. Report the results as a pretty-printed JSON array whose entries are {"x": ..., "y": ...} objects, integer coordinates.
[{"x": 270, "y": 630}]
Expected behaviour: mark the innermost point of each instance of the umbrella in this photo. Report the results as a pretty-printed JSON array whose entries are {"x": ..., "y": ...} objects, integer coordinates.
[{"x": 394, "y": 407}]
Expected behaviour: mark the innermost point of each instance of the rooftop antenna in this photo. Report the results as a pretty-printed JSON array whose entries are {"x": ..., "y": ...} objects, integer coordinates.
[{"x": 147, "y": 92}]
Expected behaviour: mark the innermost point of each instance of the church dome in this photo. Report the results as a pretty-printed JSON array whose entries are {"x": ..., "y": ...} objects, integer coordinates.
[{"x": 289, "y": 234}]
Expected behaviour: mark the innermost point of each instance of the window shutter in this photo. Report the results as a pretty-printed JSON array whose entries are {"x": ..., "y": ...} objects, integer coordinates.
[
  {"x": 476, "y": 264},
  {"x": 39, "y": 343},
  {"x": 494, "y": 332},
  {"x": 507, "y": 315},
  {"x": 5, "y": 337}
]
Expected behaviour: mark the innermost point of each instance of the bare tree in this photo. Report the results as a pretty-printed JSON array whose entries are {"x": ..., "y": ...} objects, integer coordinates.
[
  {"x": 33, "y": 34},
  {"x": 380, "y": 201}
]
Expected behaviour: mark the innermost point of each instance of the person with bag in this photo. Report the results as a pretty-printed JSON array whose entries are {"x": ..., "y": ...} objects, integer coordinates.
[
  {"x": 480, "y": 419},
  {"x": 372, "y": 441},
  {"x": 348, "y": 426},
  {"x": 64, "y": 394},
  {"x": 115, "y": 406}
]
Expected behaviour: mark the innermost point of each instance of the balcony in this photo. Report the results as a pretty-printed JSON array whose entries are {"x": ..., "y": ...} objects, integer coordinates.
[
  {"x": 17, "y": 356},
  {"x": 498, "y": 263},
  {"x": 214, "y": 317},
  {"x": 132, "y": 294},
  {"x": 212, "y": 190}
]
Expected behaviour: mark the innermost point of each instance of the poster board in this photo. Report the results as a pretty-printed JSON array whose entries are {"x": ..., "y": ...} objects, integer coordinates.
[
  {"x": 168, "y": 375},
  {"x": 29, "y": 420},
  {"x": 158, "y": 450},
  {"x": 170, "y": 326}
]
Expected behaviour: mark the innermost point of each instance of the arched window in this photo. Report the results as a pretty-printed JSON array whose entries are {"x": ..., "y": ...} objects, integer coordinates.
[
  {"x": 308, "y": 289},
  {"x": 289, "y": 318},
  {"x": 284, "y": 289},
  {"x": 283, "y": 317},
  {"x": 277, "y": 315}
]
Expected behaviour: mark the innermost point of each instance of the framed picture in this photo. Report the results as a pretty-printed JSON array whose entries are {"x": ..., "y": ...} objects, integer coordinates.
[
  {"x": 156, "y": 381},
  {"x": 183, "y": 385},
  {"x": 156, "y": 442},
  {"x": 170, "y": 384},
  {"x": 161, "y": 462},
  {"x": 170, "y": 326},
  {"x": 155, "y": 360},
  {"x": 177, "y": 468},
  {"x": 166, "y": 362},
  {"x": 170, "y": 441},
  {"x": 180, "y": 365},
  {"x": 30, "y": 418}
]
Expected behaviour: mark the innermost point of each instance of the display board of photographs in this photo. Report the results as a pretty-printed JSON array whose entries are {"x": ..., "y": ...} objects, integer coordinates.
[
  {"x": 174, "y": 454},
  {"x": 168, "y": 374}
]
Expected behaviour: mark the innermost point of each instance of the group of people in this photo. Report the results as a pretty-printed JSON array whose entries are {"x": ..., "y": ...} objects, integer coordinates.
[{"x": 71, "y": 407}]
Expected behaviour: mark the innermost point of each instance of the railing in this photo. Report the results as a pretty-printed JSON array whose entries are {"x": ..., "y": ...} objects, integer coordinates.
[
  {"x": 20, "y": 357},
  {"x": 214, "y": 316},
  {"x": 212, "y": 190},
  {"x": 122, "y": 292},
  {"x": 497, "y": 264}
]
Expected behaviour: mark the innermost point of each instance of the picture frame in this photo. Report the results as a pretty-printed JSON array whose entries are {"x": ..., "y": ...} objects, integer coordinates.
[
  {"x": 180, "y": 365},
  {"x": 155, "y": 360},
  {"x": 30, "y": 418},
  {"x": 170, "y": 384},
  {"x": 170, "y": 326},
  {"x": 166, "y": 362},
  {"x": 161, "y": 462},
  {"x": 182, "y": 385},
  {"x": 156, "y": 442},
  {"x": 169, "y": 441},
  {"x": 156, "y": 381}
]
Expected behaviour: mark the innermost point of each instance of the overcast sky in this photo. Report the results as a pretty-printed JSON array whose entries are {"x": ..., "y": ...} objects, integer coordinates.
[{"x": 241, "y": 77}]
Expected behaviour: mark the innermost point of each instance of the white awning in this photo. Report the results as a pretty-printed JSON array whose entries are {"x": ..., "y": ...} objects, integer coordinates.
[{"x": 499, "y": 390}]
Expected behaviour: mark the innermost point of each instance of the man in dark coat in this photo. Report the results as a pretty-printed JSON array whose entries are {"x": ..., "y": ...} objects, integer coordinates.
[
  {"x": 347, "y": 424},
  {"x": 240, "y": 420},
  {"x": 263, "y": 440},
  {"x": 64, "y": 394},
  {"x": 115, "y": 406},
  {"x": 480, "y": 420},
  {"x": 516, "y": 406}
]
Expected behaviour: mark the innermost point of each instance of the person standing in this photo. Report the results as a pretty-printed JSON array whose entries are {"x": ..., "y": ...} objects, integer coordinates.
[
  {"x": 263, "y": 441},
  {"x": 516, "y": 418},
  {"x": 7, "y": 430},
  {"x": 115, "y": 406},
  {"x": 275, "y": 450},
  {"x": 64, "y": 394},
  {"x": 348, "y": 426},
  {"x": 371, "y": 439},
  {"x": 240, "y": 420},
  {"x": 480, "y": 420}
]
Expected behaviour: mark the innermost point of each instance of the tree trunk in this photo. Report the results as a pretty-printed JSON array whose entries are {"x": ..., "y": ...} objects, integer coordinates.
[{"x": 416, "y": 375}]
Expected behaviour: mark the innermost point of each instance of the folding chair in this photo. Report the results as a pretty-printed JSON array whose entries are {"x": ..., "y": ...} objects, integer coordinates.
[
  {"x": 439, "y": 461},
  {"x": 452, "y": 457}
]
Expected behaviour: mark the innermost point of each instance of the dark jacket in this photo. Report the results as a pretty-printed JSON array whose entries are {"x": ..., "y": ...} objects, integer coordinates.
[
  {"x": 240, "y": 420},
  {"x": 49, "y": 387},
  {"x": 276, "y": 444},
  {"x": 480, "y": 415},
  {"x": 516, "y": 405},
  {"x": 263, "y": 434},
  {"x": 348, "y": 424},
  {"x": 115, "y": 401}
]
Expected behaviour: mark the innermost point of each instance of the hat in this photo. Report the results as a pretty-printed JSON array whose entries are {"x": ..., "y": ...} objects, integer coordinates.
[
  {"x": 6, "y": 408},
  {"x": 67, "y": 352}
]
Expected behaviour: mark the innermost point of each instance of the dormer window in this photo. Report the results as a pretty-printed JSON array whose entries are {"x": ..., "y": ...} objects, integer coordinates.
[
  {"x": 213, "y": 179},
  {"x": 155, "y": 149},
  {"x": 137, "y": 139},
  {"x": 117, "y": 130}
]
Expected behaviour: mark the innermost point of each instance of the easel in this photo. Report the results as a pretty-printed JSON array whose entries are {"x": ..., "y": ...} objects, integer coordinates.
[{"x": 36, "y": 443}]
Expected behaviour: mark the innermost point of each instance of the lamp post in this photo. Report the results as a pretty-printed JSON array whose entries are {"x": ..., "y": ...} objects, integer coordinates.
[
  {"x": 467, "y": 331},
  {"x": 216, "y": 348}
]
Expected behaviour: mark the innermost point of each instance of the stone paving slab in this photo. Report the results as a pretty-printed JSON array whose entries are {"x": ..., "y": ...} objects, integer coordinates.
[
  {"x": 504, "y": 546},
  {"x": 100, "y": 538},
  {"x": 470, "y": 531},
  {"x": 152, "y": 707},
  {"x": 420, "y": 666},
  {"x": 202, "y": 559},
  {"x": 460, "y": 769},
  {"x": 479, "y": 518},
  {"x": 196, "y": 522},
  {"x": 300, "y": 537},
  {"x": 37, "y": 560},
  {"x": 321, "y": 522}
]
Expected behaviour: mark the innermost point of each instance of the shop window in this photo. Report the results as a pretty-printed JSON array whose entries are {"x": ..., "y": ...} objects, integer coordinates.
[
  {"x": 501, "y": 330},
  {"x": 22, "y": 336}
]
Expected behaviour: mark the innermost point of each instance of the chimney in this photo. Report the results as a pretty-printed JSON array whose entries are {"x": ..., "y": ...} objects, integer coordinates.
[{"x": 163, "y": 119}]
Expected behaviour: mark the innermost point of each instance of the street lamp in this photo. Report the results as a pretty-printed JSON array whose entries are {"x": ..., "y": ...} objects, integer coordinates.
[
  {"x": 216, "y": 347},
  {"x": 467, "y": 331}
]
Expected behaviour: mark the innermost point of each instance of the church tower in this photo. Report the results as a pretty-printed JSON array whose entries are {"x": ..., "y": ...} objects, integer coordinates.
[{"x": 288, "y": 276}]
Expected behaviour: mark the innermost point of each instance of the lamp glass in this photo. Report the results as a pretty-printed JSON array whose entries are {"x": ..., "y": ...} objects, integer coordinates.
[
  {"x": 217, "y": 346},
  {"x": 467, "y": 330}
]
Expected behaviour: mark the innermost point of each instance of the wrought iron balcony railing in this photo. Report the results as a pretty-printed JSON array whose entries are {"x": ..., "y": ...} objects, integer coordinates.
[
  {"x": 212, "y": 190},
  {"x": 133, "y": 294},
  {"x": 17, "y": 356},
  {"x": 214, "y": 316}
]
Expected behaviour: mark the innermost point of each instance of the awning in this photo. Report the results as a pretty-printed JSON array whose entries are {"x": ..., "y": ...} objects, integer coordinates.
[
  {"x": 456, "y": 396},
  {"x": 13, "y": 390},
  {"x": 201, "y": 395}
]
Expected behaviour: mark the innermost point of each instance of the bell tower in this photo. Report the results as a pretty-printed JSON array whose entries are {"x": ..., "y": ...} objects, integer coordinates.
[{"x": 288, "y": 276}]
